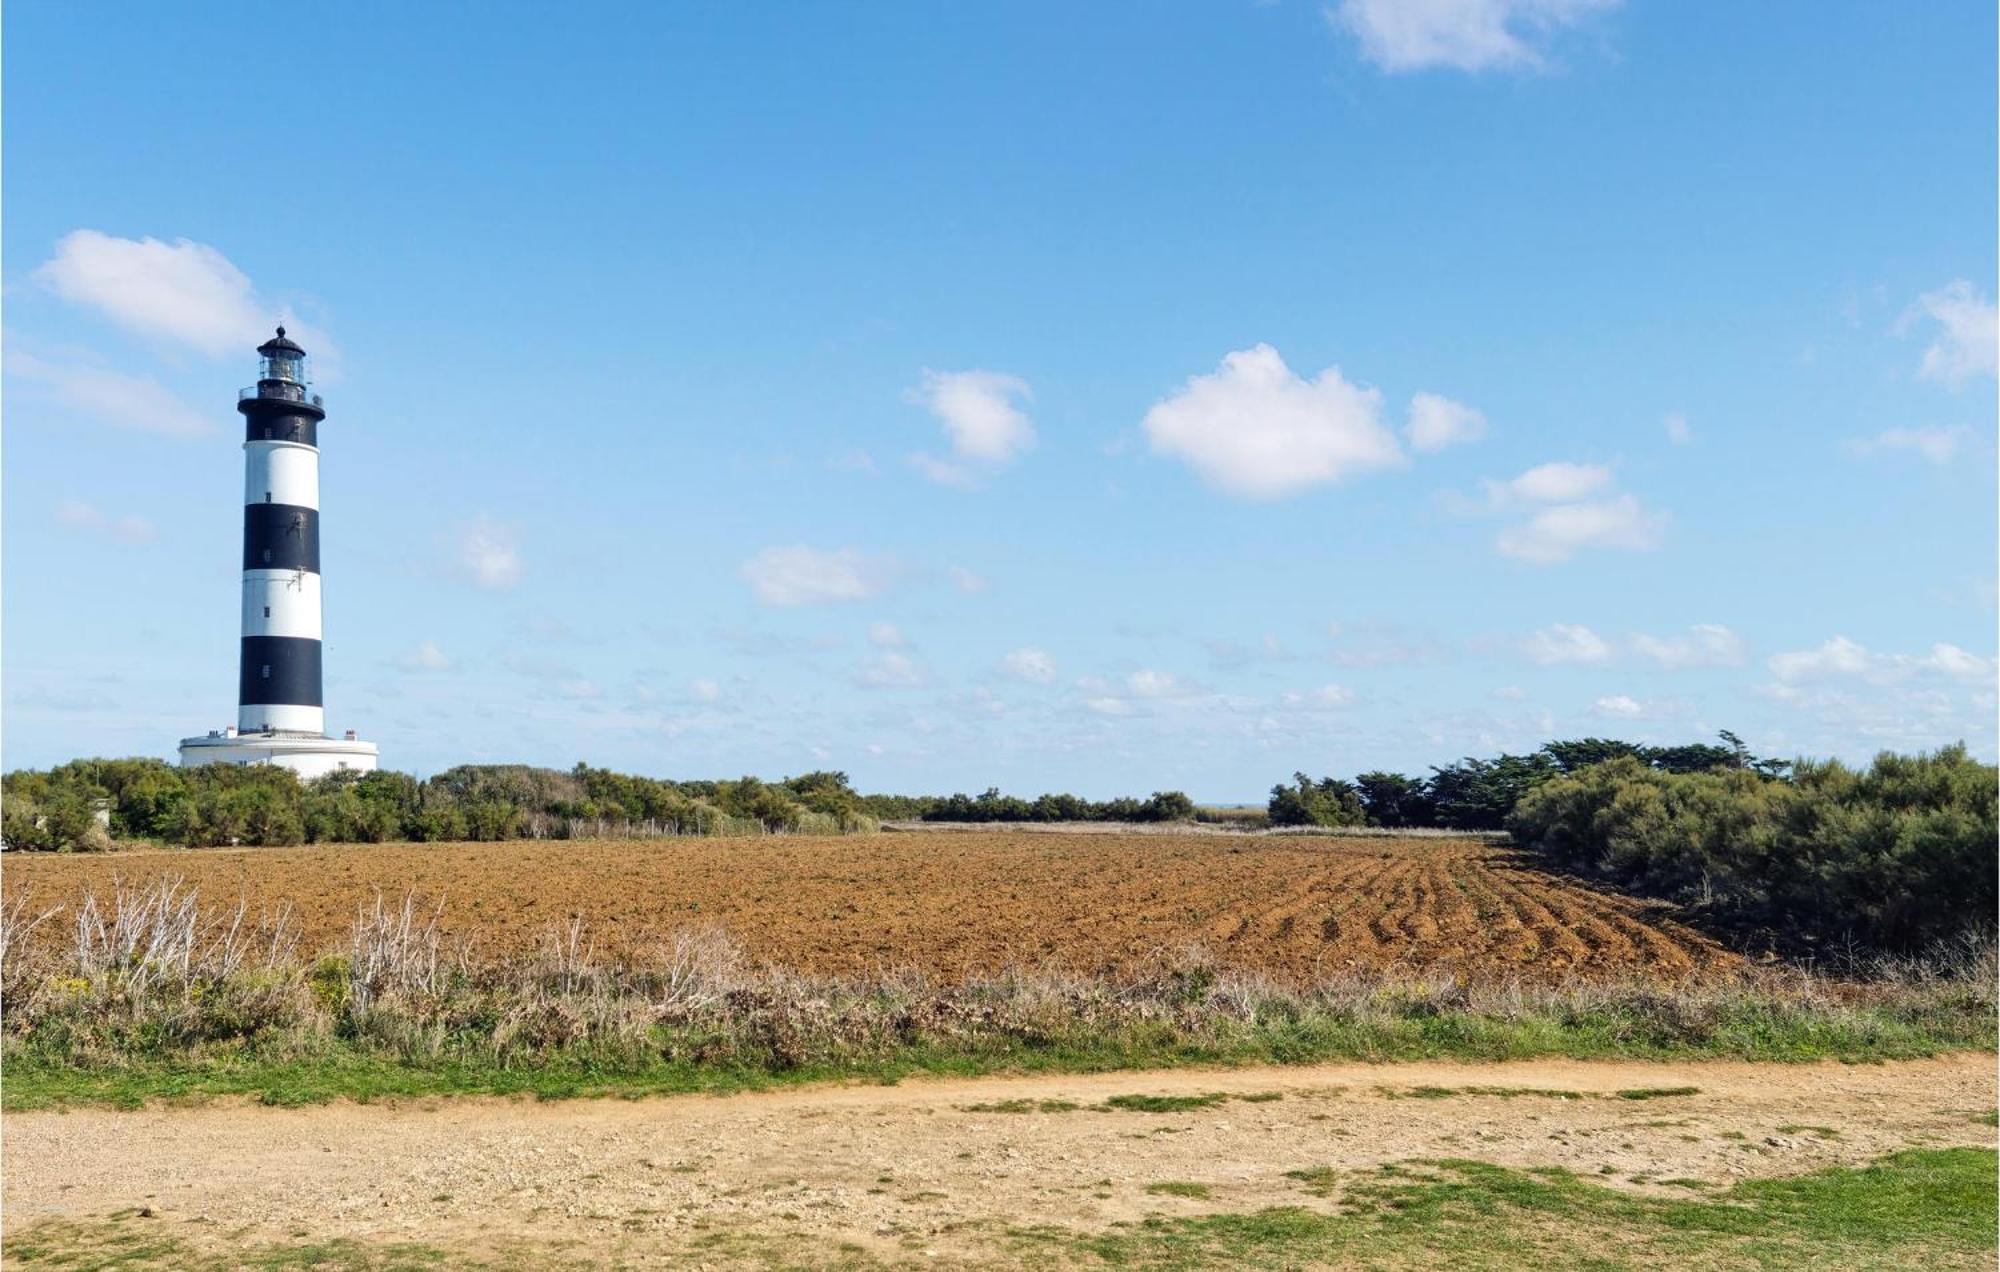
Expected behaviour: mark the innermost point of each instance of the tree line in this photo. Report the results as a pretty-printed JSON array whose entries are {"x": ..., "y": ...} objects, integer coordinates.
[{"x": 87, "y": 805}]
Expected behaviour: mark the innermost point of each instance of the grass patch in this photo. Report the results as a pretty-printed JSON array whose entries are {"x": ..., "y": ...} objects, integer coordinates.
[
  {"x": 1318, "y": 1180},
  {"x": 1504, "y": 1093},
  {"x": 1172, "y": 1188},
  {"x": 1163, "y": 1103},
  {"x": 1820, "y": 1132},
  {"x": 1916, "y": 1208},
  {"x": 1656, "y": 1093},
  {"x": 1022, "y": 1106}
]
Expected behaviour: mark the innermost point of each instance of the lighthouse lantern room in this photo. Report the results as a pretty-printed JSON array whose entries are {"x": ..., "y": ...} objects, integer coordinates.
[{"x": 280, "y": 714}]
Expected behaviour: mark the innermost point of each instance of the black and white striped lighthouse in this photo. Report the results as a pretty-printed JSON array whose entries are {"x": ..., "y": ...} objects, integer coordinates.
[{"x": 280, "y": 713}]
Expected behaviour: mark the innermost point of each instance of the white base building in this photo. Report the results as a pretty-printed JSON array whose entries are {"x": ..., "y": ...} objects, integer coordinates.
[{"x": 308, "y": 755}]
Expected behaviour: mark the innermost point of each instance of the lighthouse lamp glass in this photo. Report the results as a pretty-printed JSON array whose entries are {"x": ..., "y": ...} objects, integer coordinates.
[{"x": 283, "y": 366}]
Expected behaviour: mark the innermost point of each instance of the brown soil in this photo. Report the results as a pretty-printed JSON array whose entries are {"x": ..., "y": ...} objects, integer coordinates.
[
  {"x": 916, "y": 1170},
  {"x": 959, "y": 902}
]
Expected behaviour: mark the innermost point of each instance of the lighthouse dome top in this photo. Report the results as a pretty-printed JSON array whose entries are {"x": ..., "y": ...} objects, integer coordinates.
[{"x": 281, "y": 345}]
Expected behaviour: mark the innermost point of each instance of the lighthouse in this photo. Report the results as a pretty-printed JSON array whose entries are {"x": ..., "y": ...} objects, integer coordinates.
[{"x": 280, "y": 711}]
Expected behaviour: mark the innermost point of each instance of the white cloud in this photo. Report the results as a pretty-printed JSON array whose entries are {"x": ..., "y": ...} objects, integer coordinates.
[
  {"x": 891, "y": 670},
  {"x": 1559, "y": 482},
  {"x": 1558, "y": 533},
  {"x": 1256, "y": 430},
  {"x": 488, "y": 554},
  {"x": 425, "y": 657},
  {"x": 79, "y": 515},
  {"x": 1679, "y": 432},
  {"x": 704, "y": 690},
  {"x": 1569, "y": 507},
  {"x": 1936, "y": 444},
  {"x": 1437, "y": 422},
  {"x": 1952, "y": 661},
  {"x": 966, "y": 581},
  {"x": 1108, "y": 706},
  {"x": 982, "y": 419},
  {"x": 1967, "y": 342},
  {"x": 1705, "y": 645},
  {"x": 113, "y": 397},
  {"x": 799, "y": 575},
  {"x": 1841, "y": 658},
  {"x": 1562, "y": 643},
  {"x": 1030, "y": 664},
  {"x": 1618, "y": 705},
  {"x": 1511, "y": 693},
  {"x": 885, "y": 636},
  {"x": 1324, "y": 696},
  {"x": 1837, "y": 657},
  {"x": 1465, "y": 35},
  {"x": 1147, "y": 683},
  {"x": 184, "y": 292}
]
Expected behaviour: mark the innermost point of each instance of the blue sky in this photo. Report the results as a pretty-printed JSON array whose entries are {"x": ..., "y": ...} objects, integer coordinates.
[{"x": 1101, "y": 398}]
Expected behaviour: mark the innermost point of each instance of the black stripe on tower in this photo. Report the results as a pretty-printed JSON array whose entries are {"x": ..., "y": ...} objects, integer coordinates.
[
  {"x": 280, "y": 537},
  {"x": 287, "y": 426},
  {"x": 279, "y": 669},
  {"x": 281, "y": 412}
]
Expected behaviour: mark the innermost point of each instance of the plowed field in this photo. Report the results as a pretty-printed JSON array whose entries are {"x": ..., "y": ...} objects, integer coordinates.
[{"x": 954, "y": 903}]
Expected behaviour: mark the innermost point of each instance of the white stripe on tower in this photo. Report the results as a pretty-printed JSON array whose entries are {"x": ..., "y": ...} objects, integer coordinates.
[
  {"x": 281, "y": 603},
  {"x": 281, "y": 472}
]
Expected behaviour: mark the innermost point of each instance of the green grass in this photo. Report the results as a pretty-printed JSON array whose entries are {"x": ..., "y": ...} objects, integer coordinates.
[
  {"x": 1504, "y": 1093},
  {"x": 1173, "y": 1188},
  {"x": 131, "y": 1071},
  {"x": 1318, "y": 1180},
  {"x": 1022, "y": 1106},
  {"x": 1165, "y": 1103},
  {"x": 1657, "y": 1093},
  {"x": 1821, "y": 1132},
  {"x": 1125, "y": 1103},
  {"x": 126, "y": 1241},
  {"x": 1921, "y": 1208}
]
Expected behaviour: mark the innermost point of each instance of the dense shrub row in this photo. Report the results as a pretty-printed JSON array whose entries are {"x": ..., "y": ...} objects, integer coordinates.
[
  {"x": 87, "y": 804},
  {"x": 1895, "y": 856},
  {"x": 1476, "y": 794}
]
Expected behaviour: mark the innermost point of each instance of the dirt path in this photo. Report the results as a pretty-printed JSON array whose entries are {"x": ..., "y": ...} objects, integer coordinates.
[{"x": 916, "y": 1168}]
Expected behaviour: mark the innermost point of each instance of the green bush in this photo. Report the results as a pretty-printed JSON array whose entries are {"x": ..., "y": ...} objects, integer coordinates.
[{"x": 1895, "y": 856}]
